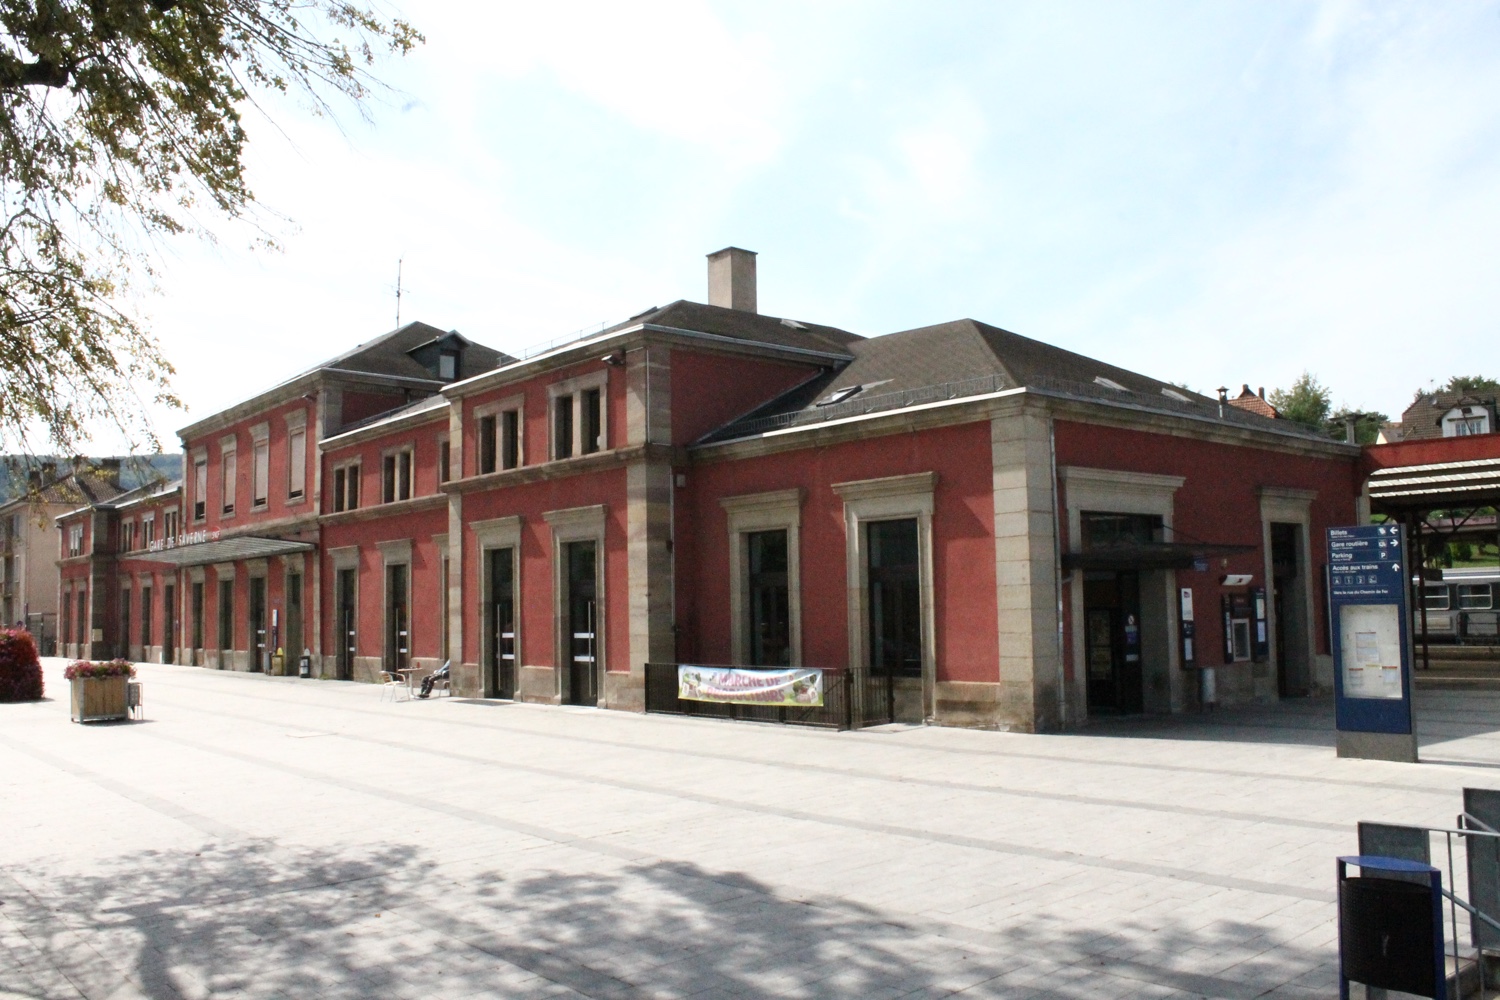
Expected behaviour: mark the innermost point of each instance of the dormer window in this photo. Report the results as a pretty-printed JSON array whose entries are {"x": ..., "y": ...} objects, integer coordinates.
[
  {"x": 1174, "y": 394},
  {"x": 1109, "y": 383},
  {"x": 442, "y": 356}
]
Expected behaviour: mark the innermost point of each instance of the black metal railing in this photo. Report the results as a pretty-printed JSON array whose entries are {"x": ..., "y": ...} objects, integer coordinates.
[{"x": 836, "y": 711}]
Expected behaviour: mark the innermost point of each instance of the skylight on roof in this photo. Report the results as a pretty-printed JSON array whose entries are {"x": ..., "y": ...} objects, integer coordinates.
[
  {"x": 1109, "y": 383},
  {"x": 1174, "y": 394},
  {"x": 794, "y": 324}
]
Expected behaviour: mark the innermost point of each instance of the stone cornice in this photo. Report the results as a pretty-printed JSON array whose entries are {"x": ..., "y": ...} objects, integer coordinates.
[
  {"x": 946, "y": 413},
  {"x": 379, "y": 511},
  {"x": 562, "y": 468}
]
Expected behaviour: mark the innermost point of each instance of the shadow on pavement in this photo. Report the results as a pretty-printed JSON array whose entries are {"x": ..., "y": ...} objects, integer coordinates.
[{"x": 261, "y": 920}]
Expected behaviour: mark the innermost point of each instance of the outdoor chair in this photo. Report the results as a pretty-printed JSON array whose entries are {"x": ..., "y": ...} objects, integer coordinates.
[
  {"x": 444, "y": 684},
  {"x": 394, "y": 685}
]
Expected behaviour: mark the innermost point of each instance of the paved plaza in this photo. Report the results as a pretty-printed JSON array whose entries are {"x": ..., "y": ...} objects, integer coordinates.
[{"x": 270, "y": 837}]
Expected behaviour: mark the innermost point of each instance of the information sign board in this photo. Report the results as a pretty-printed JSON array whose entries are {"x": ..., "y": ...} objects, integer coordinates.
[{"x": 1369, "y": 584}]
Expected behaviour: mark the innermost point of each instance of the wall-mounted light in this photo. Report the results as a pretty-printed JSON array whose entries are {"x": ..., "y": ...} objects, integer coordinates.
[
  {"x": 1237, "y": 579},
  {"x": 614, "y": 360}
]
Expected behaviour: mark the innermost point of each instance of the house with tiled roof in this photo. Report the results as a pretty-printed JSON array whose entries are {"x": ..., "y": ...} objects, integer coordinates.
[
  {"x": 1455, "y": 413},
  {"x": 28, "y": 538},
  {"x": 1254, "y": 402}
]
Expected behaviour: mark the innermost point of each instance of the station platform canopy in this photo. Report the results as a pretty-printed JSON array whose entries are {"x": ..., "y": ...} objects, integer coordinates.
[{"x": 1410, "y": 479}]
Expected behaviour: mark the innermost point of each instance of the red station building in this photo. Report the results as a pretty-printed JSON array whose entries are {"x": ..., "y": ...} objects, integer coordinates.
[{"x": 973, "y": 527}]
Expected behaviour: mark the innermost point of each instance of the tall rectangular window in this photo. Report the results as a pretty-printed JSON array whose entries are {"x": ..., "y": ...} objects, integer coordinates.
[
  {"x": 148, "y": 532},
  {"x": 200, "y": 489},
  {"x": 66, "y": 624},
  {"x": 261, "y": 474},
  {"x": 769, "y": 630},
  {"x": 445, "y": 462},
  {"x": 486, "y": 445},
  {"x": 169, "y": 529},
  {"x": 894, "y": 598},
  {"x": 562, "y": 426},
  {"x": 230, "y": 475},
  {"x": 296, "y": 456},
  {"x": 82, "y": 620},
  {"x": 592, "y": 419},
  {"x": 510, "y": 439},
  {"x": 395, "y": 476},
  {"x": 346, "y": 488}
]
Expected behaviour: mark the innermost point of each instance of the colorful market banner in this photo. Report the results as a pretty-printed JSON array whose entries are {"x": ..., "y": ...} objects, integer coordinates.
[{"x": 794, "y": 686}]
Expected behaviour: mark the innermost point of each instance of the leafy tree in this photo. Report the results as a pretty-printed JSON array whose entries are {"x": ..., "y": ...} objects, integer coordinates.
[
  {"x": 1307, "y": 402},
  {"x": 120, "y": 126},
  {"x": 1470, "y": 384}
]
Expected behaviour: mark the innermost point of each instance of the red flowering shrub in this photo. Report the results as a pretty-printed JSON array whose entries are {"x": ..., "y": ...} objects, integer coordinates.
[
  {"x": 20, "y": 667},
  {"x": 83, "y": 668}
]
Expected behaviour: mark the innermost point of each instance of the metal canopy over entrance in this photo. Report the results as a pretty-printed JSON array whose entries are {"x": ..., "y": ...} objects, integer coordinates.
[
  {"x": 1147, "y": 555},
  {"x": 228, "y": 550}
]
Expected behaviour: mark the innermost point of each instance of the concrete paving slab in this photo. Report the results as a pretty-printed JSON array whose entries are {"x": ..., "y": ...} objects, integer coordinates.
[{"x": 267, "y": 837}]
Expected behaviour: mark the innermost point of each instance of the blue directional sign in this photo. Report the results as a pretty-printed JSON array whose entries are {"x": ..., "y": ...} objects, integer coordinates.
[{"x": 1368, "y": 587}]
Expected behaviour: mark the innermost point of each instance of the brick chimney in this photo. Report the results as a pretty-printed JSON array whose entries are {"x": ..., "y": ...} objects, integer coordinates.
[{"x": 731, "y": 279}]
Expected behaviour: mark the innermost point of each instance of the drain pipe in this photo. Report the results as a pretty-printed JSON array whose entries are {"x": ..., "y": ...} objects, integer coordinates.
[{"x": 1062, "y": 666}]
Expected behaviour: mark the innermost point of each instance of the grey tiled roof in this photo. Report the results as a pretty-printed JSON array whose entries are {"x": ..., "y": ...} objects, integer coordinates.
[
  {"x": 967, "y": 358},
  {"x": 388, "y": 355},
  {"x": 741, "y": 325}
]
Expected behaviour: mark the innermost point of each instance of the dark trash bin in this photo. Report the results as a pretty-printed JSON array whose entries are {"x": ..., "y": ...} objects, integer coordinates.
[{"x": 1390, "y": 929}]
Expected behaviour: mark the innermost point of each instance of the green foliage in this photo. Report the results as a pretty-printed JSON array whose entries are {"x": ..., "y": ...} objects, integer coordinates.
[
  {"x": 120, "y": 123},
  {"x": 1470, "y": 384},
  {"x": 1307, "y": 402}
]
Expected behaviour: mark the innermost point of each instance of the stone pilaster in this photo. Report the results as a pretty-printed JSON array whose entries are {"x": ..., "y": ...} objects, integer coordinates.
[{"x": 1025, "y": 574}]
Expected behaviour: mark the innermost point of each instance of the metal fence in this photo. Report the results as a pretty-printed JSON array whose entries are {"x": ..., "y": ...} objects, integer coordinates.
[
  {"x": 1471, "y": 850},
  {"x": 834, "y": 713}
]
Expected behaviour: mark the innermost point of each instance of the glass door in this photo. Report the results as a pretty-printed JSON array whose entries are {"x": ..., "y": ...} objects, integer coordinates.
[
  {"x": 345, "y": 639},
  {"x": 169, "y": 623},
  {"x": 894, "y": 597},
  {"x": 583, "y": 676},
  {"x": 258, "y": 651},
  {"x": 398, "y": 638},
  {"x": 502, "y": 623}
]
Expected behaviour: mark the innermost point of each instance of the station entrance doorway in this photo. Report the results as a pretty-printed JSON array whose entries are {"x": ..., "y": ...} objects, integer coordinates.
[{"x": 1112, "y": 642}]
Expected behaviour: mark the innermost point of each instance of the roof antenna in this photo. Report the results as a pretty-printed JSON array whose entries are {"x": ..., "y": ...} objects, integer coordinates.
[{"x": 398, "y": 293}]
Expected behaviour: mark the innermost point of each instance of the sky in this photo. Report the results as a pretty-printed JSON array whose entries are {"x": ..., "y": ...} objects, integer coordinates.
[{"x": 1209, "y": 193}]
